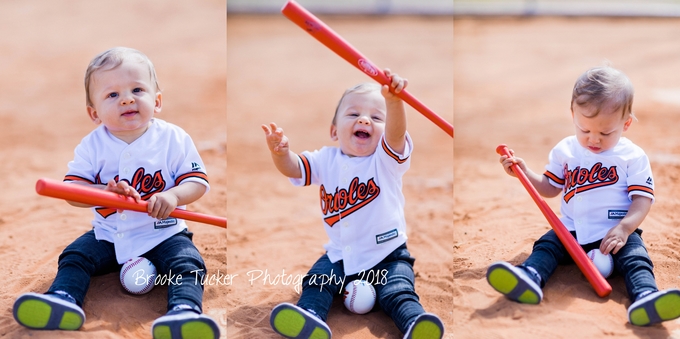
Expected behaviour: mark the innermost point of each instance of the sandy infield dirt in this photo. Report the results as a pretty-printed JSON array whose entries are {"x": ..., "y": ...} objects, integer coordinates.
[
  {"x": 277, "y": 72},
  {"x": 45, "y": 48},
  {"x": 513, "y": 80}
]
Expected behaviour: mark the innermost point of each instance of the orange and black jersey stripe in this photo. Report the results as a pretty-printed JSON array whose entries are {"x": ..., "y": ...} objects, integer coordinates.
[
  {"x": 306, "y": 169},
  {"x": 183, "y": 177},
  {"x": 389, "y": 152},
  {"x": 553, "y": 177},
  {"x": 77, "y": 178},
  {"x": 640, "y": 188}
]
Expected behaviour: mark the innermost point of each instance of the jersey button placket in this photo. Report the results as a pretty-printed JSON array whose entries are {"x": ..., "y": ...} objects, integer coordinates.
[{"x": 343, "y": 175}]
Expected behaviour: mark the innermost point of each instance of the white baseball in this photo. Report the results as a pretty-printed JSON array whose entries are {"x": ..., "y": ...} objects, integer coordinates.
[
  {"x": 137, "y": 275},
  {"x": 359, "y": 296},
  {"x": 604, "y": 263}
]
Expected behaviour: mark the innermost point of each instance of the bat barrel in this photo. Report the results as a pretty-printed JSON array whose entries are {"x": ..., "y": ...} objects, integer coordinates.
[
  {"x": 97, "y": 197},
  {"x": 600, "y": 285},
  {"x": 329, "y": 38},
  {"x": 87, "y": 195}
]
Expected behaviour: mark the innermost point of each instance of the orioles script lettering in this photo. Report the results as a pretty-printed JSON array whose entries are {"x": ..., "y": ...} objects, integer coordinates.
[
  {"x": 346, "y": 201},
  {"x": 586, "y": 179},
  {"x": 146, "y": 183}
]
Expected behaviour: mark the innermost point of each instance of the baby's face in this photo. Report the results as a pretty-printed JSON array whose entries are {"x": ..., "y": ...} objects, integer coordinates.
[
  {"x": 602, "y": 132},
  {"x": 360, "y": 123},
  {"x": 124, "y": 99}
]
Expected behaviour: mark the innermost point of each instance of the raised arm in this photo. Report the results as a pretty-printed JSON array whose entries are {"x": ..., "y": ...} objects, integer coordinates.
[
  {"x": 284, "y": 159},
  {"x": 395, "y": 126}
]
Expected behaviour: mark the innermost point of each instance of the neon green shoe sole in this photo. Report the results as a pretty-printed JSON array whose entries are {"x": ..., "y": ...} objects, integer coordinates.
[
  {"x": 185, "y": 325},
  {"x": 513, "y": 283},
  {"x": 426, "y": 326},
  {"x": 47, "y": 312},
  {"x": 654, "y": 308},
  {"x": 292, "y": 321}
]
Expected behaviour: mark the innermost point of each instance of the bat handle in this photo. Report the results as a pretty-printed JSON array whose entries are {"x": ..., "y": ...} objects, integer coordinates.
[{"x": 502, "y": 149}]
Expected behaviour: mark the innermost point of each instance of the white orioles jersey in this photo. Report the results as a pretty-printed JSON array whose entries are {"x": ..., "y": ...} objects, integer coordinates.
[
  {"x": 597, "y": 189},
  {"x": 361, "y": 202},
  {"x": 163, "y": 157}
]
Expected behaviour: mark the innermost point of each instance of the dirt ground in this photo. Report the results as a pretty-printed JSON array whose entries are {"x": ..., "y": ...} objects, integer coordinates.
[
  {"x": 44, "y": 50},
  {"x": 512, "y": 82},
  {"x": 277, "y": 72}
]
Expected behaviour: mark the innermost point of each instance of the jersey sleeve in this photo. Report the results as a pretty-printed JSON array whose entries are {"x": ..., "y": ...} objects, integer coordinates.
[
  {"x": 554, "y": 170},
  {"x": 82, "y": 167},
  {"x": 397, "y": 163},
  {"x": 190, "y": 167},
  {"x": 308, "y": 162},
  {"x": 640, "y": 180}
]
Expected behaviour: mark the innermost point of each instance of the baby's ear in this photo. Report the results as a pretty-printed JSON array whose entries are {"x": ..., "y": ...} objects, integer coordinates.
[
  {"x": 158, "y": 103},
  {"x": 334, "y": 133},
  {"x": 627, "y": 124},
  {"x": 93, "y": 115}
]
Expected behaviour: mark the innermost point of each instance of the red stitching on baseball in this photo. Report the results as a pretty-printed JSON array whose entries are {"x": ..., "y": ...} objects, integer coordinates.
[
  {"x": 127, "y": 268},
  {"x": 149, "y": 282}
]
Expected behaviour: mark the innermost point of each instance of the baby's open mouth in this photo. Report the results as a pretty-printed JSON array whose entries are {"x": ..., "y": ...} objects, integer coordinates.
[{"x": 362, "y": 134}]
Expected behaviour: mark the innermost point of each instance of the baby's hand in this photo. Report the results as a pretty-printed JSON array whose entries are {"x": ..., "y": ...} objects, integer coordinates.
[
  {"x": 276, "y": 140},
  {"x": 122, "y": 188},
  {"x": 507, "y": 162},
  {"x": 397, "y": 85},
  {"x": 614, "y": 240},
  {"x": 162, "y": 204}
]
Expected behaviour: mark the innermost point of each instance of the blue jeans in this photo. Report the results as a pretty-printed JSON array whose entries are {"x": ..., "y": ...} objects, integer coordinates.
[
  {"x": 392, "y": 278},
  {"x": 87, "y": 257},
  {"x": 632, "y": 261}
]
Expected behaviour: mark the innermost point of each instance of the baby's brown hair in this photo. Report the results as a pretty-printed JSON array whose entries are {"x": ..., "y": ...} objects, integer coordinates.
[{"x": 603, "y": 87}]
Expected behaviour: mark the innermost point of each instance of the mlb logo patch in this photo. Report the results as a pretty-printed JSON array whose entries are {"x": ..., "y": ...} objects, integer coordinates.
[
  {"x": 617, "y": 214},
  {"x": 387, "y": 236},
  {"x": 165, "y": 223}
]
